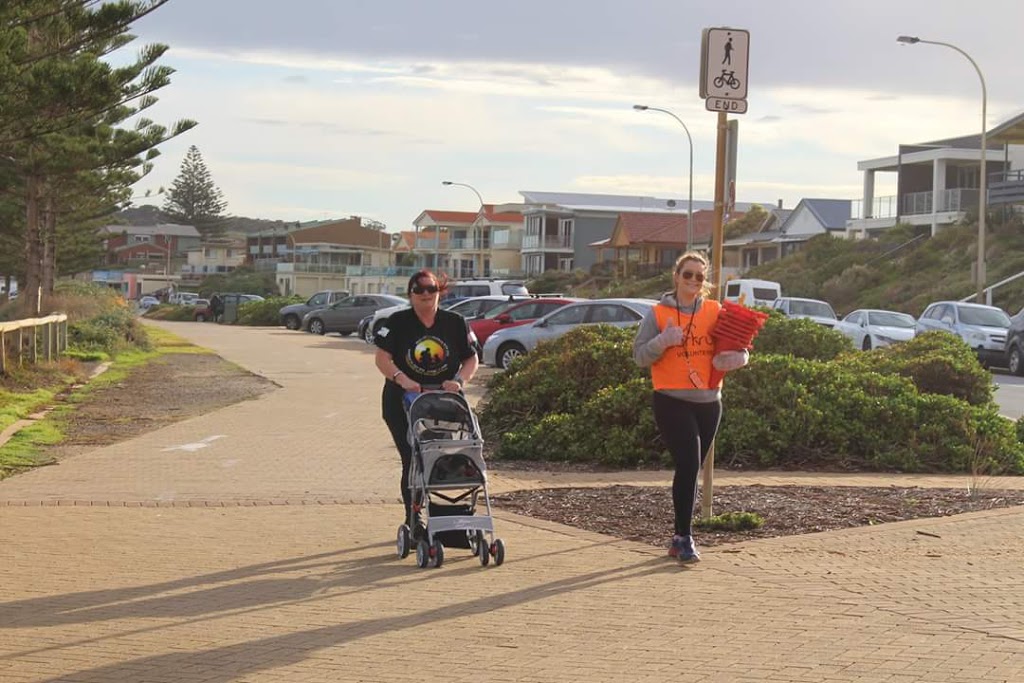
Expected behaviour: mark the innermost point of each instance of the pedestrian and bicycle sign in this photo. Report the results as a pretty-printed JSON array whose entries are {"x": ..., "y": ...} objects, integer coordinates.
[{"x": 724, "y": 62}]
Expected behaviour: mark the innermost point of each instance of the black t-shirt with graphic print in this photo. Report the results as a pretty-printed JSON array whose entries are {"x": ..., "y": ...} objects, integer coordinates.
[{"x": 428, "y": 356}]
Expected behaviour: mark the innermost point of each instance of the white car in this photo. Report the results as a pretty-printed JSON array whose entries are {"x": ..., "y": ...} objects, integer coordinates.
[
  {"x": 812, "y": 309},
  {"x": 871, "y": 328},
  {"x": 504, "y": 346}
]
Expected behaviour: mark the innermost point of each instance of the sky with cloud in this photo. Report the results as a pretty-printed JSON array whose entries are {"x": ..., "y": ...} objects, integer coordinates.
[{"x": 314, "y": 109}]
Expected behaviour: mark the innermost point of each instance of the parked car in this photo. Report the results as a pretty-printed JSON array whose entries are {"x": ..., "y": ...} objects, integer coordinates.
[
  {"x": 147, "y": 302},
  {"x": 514, "y": 314},
  {"x": 983, "y": 328},
  {"x": 1015, "y": 344},
  {"x": 292, "y": 314},
  {"x": 467, "y": 308},
  {"x": 870, "y": 328},
  {"x": 753, "y": 292},
  {"x": 478, "y": 306},
  {"x": 504, "y": 346},
  {"x": 466, "y": 289},
  {"x": 182, "y": 298},
  {"x": 812, "y": 309},
  {"x": 344, "y": 316}
]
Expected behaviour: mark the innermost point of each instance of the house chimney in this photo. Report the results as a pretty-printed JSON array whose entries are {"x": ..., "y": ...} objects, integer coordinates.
[{"x": 780, "y": 203}]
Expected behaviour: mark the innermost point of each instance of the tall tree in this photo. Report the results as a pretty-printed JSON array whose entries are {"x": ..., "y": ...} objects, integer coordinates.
[
  {"x": 61, "y": 111},
  {"x": 194, "y": 199}
]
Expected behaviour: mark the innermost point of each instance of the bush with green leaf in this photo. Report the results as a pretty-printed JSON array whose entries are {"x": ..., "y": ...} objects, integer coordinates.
[
  {"x": 99, "y": 319},
  {"x": 800, "y": 337},
  {"x": 173, "y": 312},
  {"x": 265, "y": 313},
  {"x": 559, "y": 376},
  {"x": 581, "y": 398}
]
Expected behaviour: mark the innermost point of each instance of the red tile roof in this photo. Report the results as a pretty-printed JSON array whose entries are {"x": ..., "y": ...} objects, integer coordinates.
[
  {"x": 633, "y": 229},
  {"x": 451, "y": 216}
]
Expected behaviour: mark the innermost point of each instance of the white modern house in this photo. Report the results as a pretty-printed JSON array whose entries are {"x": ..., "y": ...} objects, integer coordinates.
[{"x": 937, "y": 182}]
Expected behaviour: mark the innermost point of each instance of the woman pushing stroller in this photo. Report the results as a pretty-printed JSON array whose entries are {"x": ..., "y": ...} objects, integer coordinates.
[{"x": 422, "y": 346}]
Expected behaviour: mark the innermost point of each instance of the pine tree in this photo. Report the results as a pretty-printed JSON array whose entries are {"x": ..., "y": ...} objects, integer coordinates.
[{"x": 194, "y": 199}]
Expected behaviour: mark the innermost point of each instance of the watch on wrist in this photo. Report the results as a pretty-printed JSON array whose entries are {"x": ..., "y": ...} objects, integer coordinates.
[{"x": 461, "y": 382}]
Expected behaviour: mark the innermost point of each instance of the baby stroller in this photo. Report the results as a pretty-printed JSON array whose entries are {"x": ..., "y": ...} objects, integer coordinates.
[{"x": 447, "y": 475}]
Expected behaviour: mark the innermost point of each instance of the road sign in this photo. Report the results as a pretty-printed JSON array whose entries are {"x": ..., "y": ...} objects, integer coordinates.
[
  {"x": 726, "y": 105},
  {"x": 724, "y": 63}
]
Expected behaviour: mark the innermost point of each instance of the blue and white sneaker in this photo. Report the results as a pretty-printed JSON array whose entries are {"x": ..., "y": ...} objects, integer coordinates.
[{"x": 687, "y": 551}]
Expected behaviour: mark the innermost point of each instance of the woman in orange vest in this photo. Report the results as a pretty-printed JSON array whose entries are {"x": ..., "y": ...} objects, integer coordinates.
[{"x": 675, "y": 342}]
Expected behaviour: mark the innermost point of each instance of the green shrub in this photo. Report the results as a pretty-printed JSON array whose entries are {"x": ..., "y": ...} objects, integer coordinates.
[
  {"x": 111, "y": 331},
  {"x": 559, "y": 377},
  {"x": 264, "y": 313},
  {"x": 936, "y": 362},
  {"x": 731, "y": 521},
  {"x": 800, "y": 338},
  {"x": 581, "y": 398}
]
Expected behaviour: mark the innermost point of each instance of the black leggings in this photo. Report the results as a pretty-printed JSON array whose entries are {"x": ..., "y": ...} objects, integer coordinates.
[
  {"x": 688, "y": 429},
  {"x": 398, "y": 423}
]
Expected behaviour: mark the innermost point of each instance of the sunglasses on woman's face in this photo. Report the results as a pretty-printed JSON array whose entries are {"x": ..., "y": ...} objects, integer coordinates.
[
  {"x": 691, "y": 275},
  {"x": 425, "y": 289}
]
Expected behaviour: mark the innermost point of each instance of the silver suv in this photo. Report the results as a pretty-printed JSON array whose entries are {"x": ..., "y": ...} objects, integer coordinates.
[
  {"x": 812, "y": 309},
  {"x": 292, "y": 314},
  {"x": 983, "y": 328}
]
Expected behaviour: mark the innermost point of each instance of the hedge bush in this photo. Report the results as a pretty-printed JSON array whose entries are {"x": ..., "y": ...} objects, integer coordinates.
[
  {"x": 99, "y": 319},
  {"x": 265, "y": 313},
  {"x": 173, "y": 312},
  {"x": 799, "y": 337},
  {"x": 923, "y": 406}
]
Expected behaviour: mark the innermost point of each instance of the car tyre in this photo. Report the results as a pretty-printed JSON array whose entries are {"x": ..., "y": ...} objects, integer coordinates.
[
  {"x": 508, "y": 352},
  {"x": 316, "y": 326},
  {"x": 200, "y": 317},
  {"x": 292, "y": 322},
  {"x": 866, "y": 346},
  {"x": 1015, "y": 361}
]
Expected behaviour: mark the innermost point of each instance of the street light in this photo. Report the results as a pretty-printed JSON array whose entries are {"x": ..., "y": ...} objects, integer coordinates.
[
  {"x": 689, "y": 213},
  {"x": 475, "y": 234},
  {"x": 983, "y": 181}
]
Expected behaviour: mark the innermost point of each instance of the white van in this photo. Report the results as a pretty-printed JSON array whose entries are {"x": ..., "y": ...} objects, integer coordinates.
[{"x": 752, "y": 292}]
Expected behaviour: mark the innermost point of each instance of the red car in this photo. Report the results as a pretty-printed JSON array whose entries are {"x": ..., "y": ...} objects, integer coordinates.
[{"x": 514, "y": 314}]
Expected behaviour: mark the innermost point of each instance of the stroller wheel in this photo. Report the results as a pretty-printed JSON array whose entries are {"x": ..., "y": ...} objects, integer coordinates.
[
  {"x": 474, "y": 542},
  {"x": 422, "y": 554},
  {"x": 403, "y": 542},
  {"x": 498, "y": 548},
  {"x": 438, "y": 553},
  {"x": 483, "y": 549}
]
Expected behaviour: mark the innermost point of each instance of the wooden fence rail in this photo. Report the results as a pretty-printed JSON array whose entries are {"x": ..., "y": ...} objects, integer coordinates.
[{"x": 32, "y": 338}]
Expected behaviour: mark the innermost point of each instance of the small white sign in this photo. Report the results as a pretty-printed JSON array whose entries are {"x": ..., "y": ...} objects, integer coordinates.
[
  {"x": 726, "y": 105},
  {"x": 725, "y": 61}
]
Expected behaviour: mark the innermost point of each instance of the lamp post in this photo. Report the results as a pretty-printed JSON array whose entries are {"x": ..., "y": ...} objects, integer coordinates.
[
  {"x": 689, "y": 211},
  {"x": 481, "y": 199},
  {"x": 983, "y": 181}
]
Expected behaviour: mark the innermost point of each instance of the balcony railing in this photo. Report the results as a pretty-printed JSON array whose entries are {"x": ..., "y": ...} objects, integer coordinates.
[
  {"x": 469, "y": 244},
  {"x": 534, "y": 242},
  {"x": 425, "y": 243},
  {"x": 1006, "y": 188},
  {"x": 340, "y": 269},
  {"x": 954, "y": 200},
  {"x": 881, "y": 207}
]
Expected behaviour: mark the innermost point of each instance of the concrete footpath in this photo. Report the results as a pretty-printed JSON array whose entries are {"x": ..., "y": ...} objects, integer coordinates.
[{"x": 256, "y": 544}]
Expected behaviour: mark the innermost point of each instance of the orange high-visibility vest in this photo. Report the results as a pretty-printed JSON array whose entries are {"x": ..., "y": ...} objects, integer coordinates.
[{"x": 672, "y": 370}]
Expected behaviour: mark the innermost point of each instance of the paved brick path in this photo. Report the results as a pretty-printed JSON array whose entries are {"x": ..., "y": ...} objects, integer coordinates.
[{"x": 254, "y": 544}]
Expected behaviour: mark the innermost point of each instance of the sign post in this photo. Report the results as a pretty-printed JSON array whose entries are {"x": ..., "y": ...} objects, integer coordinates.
[{"x": 724, "y": 64}]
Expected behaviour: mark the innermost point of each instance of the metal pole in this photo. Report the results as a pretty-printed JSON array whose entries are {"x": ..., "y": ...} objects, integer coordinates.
[
  {"x": 481, "y": 200},
  {"x": 708, "y": 486},
  {"x": 983, "y": 180},
  {"x": 689, "y": 211}
]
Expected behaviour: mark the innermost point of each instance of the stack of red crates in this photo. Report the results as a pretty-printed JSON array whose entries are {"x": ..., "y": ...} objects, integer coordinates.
[{"x": 735, "y": 331}]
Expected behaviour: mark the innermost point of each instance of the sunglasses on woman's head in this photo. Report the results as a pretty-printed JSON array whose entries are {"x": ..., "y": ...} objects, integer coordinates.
[
  {"x": 425, "y": 289},
  {"x": 691, "y": 275}
]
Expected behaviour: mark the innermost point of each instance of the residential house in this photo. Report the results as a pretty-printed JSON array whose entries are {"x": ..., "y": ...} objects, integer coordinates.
[
  {"x": 761, "y": 245},
  {"x": 219, "y": 255},
  {"x": 647, "y": 244},
  {"x": 432, "y": 244},
  {"x": 466, "y": 245},
  {"x": 343, "y": 254},
  {"x": 937, "y": 182},
  {"x": 435, "y": 230},
  {"x": 566, "y": 231},
  {"x": 160, "y": 247},
  {"x": 810, "y": 218}
]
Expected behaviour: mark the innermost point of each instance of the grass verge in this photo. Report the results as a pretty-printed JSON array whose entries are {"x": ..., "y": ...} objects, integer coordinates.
[{"x": 25, "y": 449}]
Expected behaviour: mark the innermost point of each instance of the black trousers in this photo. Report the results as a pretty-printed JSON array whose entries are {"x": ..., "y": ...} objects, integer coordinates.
[
  {"x": 688, "y": 430},
  {"x": 397, "y": 421}
]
